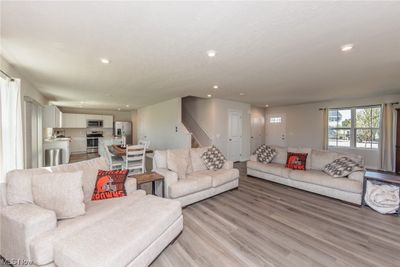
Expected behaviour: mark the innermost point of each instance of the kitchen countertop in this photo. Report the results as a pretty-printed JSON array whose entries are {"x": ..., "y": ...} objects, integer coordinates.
[{"x": 57, "y": 139}]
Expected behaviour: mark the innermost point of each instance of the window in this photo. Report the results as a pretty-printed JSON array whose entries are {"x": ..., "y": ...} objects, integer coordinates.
[
  {"x": 354, "y": 127},
  {"x": 275, "y": 120}
]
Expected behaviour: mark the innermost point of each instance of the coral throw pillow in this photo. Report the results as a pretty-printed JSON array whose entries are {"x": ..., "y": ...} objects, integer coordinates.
[
  {"x": 110, "y": 184},
  {"x": 296, "y": 161}
]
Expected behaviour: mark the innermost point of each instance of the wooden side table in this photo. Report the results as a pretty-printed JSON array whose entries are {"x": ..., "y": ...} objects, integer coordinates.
[
  {"x": 148, "y": 177},
  {"x": 381, "y": 177}
]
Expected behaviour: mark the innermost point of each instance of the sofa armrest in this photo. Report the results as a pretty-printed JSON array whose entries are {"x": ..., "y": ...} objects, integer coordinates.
[
  {"x": 253, "y": 158},
  {"x": 357, "y": 176},
  {"x": 130, "y": 185},
  {"x": 228, "y": 165},
  {"x": 19, "y": 225},
  {"x": 170, "y": 177}
]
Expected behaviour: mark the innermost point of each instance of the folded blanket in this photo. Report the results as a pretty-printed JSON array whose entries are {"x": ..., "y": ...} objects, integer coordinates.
[{"x": 382, "y": 198}]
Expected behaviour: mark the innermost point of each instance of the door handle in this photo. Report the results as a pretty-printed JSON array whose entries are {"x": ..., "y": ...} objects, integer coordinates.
[{"x": 230, "y": 139}]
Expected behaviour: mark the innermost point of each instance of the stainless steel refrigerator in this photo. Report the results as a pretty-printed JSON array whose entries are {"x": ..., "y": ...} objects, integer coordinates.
[{"x": 123, "y": 127}]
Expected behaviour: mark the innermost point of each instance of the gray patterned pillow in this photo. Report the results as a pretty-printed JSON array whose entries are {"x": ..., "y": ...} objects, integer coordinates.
[
  {"x": 265, "y": 154},
  {"x": 342, "y": 167},
  {"x": 213, "y": 158}
]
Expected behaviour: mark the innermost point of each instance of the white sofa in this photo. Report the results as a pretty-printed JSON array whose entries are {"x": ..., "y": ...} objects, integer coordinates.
[
  {"x": 200, "y": 183},
  {"x": 126, "y": 231},
  {"x": 348, "y": 189}
]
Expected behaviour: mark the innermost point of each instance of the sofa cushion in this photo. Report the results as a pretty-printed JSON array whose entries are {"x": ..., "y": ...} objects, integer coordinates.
[
  {"x": 193, "y": 183},
  {"x": 213, "y": 158},
  {"x": 342, "y": 167},
  {"x": 271, "y": 168},
  {"x": 121, "y": 237},
  {"x": 178, "y": 161},
  {"x": 59, "y": 192},
  {"x": 110, "y": 184},
  {"x": 296, "y": 161},
  {"x": 281, "y": 154},
  {"x": 196, "y": 160},
  {"x": 220, "y": 177},
  {"x": 19, "y": 185},
  {"x": 42, "y": 247},
  {"x": 319, "y": 158},
  {"x": 304, "y": 151},
  {"x": 265, "y": 153},
  {"x": 322, "y": 179},
  {"x": 89, "y": 168}
]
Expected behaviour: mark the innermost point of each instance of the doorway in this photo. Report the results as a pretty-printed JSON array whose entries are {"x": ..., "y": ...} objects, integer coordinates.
[
  {"x": 234, "y": 135},
  {"x": 276, "y": 129}
]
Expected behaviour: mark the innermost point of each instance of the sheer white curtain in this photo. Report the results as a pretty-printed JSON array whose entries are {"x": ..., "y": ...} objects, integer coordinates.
[
  {"x": 11, "y": 135},
  {"x": 387, "y": 146}
]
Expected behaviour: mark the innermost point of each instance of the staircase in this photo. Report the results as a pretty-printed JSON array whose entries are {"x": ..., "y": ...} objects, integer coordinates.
[{"x": 199, "y": 136}]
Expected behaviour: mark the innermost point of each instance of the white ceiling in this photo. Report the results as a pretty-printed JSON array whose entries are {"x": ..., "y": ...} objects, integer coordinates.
[{"x": 275, "y": 53}]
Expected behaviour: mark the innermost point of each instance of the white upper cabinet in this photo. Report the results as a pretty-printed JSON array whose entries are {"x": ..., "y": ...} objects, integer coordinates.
[
  {"x": 52, "y": 117},
  {"x": 71, "y": 120},
  {"x": 107, "y": 121}
]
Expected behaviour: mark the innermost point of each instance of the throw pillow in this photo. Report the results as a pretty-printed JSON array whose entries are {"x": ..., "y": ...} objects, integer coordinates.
[
  {"x": 110, "y": 184},
  {"x": 178, "y": 161},
  {"x": 213, "y": 158},
  {"x": 265, "y": 154},
  {"x": 296, "y": 161},
  {"x": 342, "y": 167},
  {"x": 60, "y": 192}
]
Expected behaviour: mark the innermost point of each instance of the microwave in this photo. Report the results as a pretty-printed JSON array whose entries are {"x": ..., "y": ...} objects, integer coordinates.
[{"x": 94, "y": 124}]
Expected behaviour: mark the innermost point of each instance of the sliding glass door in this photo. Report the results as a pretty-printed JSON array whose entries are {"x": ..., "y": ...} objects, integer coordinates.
[{"x": 33, "y": 134}]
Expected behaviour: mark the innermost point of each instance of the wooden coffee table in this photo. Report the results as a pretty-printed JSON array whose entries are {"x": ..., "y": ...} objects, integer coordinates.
[{"x": 148, "y": 177}]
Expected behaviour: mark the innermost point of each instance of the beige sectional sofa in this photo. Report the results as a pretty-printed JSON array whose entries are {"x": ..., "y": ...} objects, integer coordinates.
[
  {"x": 126, "y": 231},
  {"x": 348, "y": 189},
  {"x": 200, "y": 183}
]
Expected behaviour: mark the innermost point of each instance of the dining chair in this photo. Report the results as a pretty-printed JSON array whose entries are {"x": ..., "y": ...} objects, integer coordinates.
[
  {"x": 144, "y": 143},
  {"x": 135, "y": 159},
  {"x": 114, "y": 162}
]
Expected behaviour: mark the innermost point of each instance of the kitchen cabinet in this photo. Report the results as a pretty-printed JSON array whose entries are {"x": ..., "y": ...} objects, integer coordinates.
[
  {"x": 94, "y": 117},
  {"x": 52, "y": 117},
  {"x": 107, "y": 121},
  {"x": 78, "y": 144},
  {"x": 71, "y": 120}
]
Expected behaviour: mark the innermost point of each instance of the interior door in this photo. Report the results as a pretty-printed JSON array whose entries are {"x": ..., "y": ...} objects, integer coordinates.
[
  {"x": 234, "y": 135},
  {"x": 257, "y": 131},
  {"x": 276, "y": 129}
]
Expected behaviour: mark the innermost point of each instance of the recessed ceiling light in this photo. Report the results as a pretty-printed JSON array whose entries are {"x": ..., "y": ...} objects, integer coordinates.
[
  {"x": 215, "y": 87},
  {"x": 346, "y": 47},
  {"x": 211, "y": 53},
  {"x": 105, "y": 60},
  {"x": 209, "y": 96},
  {"x": 266, "y": 105},
  {"x": 119, "y": 109},
  {"x": 242, "y": 94},
  {"x": 127, "y": 106},
  {"x": 81, "y": 102}
]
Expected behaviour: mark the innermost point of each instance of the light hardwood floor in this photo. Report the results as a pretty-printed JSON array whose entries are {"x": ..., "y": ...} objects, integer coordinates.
[{"x": 267, "y": 224}]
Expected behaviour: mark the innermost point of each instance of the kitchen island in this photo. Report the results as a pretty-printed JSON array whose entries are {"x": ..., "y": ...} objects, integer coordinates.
[{"x": 62, "y": 143}]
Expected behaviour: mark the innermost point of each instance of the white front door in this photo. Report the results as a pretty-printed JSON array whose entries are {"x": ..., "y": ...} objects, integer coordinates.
[
  {"x": 234, "y": 135},
  {"x": 276, "y": 129}
]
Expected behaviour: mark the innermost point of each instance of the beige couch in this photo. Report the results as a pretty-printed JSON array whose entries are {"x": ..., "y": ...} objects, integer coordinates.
[
  {"x": 348, "y": 189},
  {"x": 200, "y": 183},
  {"x": 126, "y": 231}
]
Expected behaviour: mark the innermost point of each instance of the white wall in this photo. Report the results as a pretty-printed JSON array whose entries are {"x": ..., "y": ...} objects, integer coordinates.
[
  {"x": 212, "y": 116},
  {"x": 304, "y": 124},
  {"x": 161, "y": 124},
  {"x": 257, "y": 128}
]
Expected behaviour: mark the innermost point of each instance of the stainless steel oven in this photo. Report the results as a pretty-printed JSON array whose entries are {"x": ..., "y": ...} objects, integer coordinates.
[{"x": 92, "y": 141}]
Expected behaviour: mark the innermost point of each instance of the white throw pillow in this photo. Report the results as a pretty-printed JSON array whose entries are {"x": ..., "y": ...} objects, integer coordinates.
[
  {"x": 60, "y": 192},
  {"x": 178, "y": 161}
]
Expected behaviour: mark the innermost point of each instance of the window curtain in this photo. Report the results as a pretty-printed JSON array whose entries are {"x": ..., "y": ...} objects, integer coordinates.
[
  {"x": 11, "y": 135},
  {"x": 325, "y": 128},
  {"x": 387, "y": 138}
]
